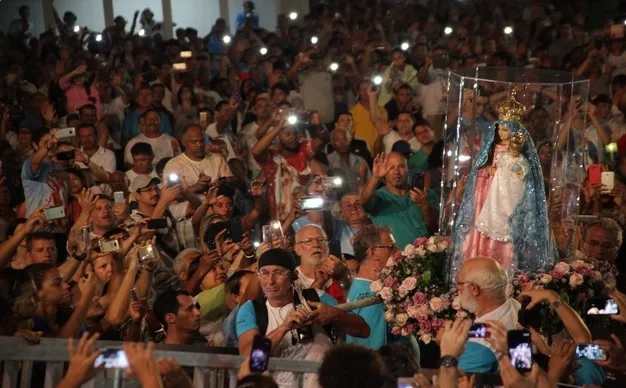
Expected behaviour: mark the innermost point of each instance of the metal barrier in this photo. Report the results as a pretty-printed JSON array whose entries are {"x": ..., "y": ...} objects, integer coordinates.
[{"x": 212, "y": 367}]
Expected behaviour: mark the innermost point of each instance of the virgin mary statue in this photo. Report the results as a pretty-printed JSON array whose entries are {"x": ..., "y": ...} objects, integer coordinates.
[{"x": 503, "y": 214}]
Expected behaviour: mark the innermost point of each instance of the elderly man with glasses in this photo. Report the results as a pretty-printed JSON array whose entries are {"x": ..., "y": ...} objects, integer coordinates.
[
  {"x": 295, "y": 327},
  {"x": 316, "y": 264},
  {"x": 602, "y": 240}
]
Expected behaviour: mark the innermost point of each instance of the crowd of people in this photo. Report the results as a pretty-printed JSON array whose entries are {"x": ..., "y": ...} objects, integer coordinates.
[{"x": 206, "y": 190}]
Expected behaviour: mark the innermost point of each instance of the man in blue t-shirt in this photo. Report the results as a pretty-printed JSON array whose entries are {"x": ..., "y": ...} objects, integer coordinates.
[
  {"x": 373, "y": 245},
  {"x": 406, "y": 210},
  {"x": 143, "y": 101}
]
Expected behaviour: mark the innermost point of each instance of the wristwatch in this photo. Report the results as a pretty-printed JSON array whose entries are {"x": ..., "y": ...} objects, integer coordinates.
[
  {"x": 556, "y": 304},
  {"x": 448, "y": 361}
]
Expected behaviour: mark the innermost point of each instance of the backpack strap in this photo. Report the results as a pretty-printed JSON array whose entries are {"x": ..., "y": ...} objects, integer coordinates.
[{"x": 260, "y": 313}]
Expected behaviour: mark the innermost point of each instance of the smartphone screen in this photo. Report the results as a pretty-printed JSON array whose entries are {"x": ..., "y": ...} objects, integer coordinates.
[
  {"x": 601, "y": 306},
  {"x": 204, "y": 116},
  {"x": 67, "y": 155},
  {"x": 406, "y": 382},
  {"x": 590, "y": 352},
  {"x": 417, "y": 181},
  {"x": 65, "y": 133},
  {"x": 173, "y": 180},
  {"x": 260, "y": 354},
  {"x": 314, "y": 203},
  {"x": 118, "y": 197},
  {"x": 107, "y": 246},
  {"x": 520, "y": 350},
  {"x": 236, "y": 229},
  {"x": 272, "y": 231},
  {"x": 607, "y": 178},
  {"x": 478, "y": 330},
  {"x": 157, "y": 223},
  {"x": 112, "y": 358},
  {"x": 54, "y": 213},
  {"x": 334, "y": 248},
  {"x": 146, "y": 252}
]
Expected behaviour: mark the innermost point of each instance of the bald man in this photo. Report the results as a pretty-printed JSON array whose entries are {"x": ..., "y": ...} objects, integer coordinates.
[
  {"x": 404, "y": 209},
  {"x": 316, "y": 264},
  {"x": 482, "y": 283}
]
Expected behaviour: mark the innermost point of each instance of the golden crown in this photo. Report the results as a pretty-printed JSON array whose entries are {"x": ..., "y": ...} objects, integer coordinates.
[{"x": 511, "y": 110}]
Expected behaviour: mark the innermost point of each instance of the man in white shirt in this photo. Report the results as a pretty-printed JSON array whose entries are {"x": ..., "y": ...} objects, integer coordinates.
[
  {"x": 256, "y": 129},
  {"x": 88, "y": 139},
  {"x": 224, "y": 113},
  {"x": 385, "y": 141},
  {"x": 617, "y": 123},
  {"x": 316, "y": 265},
  {"x": 142, "y": 162},
  {"x": 433, "y": 86},
  {"x": 163, "y": 145}
]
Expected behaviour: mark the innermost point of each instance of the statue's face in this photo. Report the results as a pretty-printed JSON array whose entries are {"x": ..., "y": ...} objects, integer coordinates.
[{"x": 504, "y": 132}]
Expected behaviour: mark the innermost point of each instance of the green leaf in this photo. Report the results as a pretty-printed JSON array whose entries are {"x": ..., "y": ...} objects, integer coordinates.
[{"x": 426, "y": 276}]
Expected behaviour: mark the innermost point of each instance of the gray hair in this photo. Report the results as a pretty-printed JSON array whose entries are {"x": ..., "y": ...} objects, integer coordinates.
[
  {"x": 346, "y": 130},
  {"x": 609, "y": 225},
  {"x": 316, "y": 226},
  {"x": 367, "y": 237},
  {"x": 492, "y": 280},
  {"x": 180, "y": 259}
]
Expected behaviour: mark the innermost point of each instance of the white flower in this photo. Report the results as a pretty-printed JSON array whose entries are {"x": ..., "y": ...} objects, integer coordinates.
[
  {"x": 403, "y": 291},
  {"x": 456, "y": 303},
  {"x": 432, "y": 240},
  {"x": 420, "y": 251},
  {"x": 389, "y": 316},
  {"x": 576, "y": 280},
  {"x": 409, "y": 283},
  {"x": 545, "y": 278},
  {"x": 386, "y": 293},
  {"x": 409, "y": 250},
  {"x": 401, "y": 319},
  {"x": 376, "y": 286},
  {"x": 562, "y": 268},
  {"x": 597, "y": 275},
  {"x": 390, "y": 262},
  {"x": 426, "y": 338},
  {"x": 432, "y": 247},
  {"x": 577, "y": 264}
]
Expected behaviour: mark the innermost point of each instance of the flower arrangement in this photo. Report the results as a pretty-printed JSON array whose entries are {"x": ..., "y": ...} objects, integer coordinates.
[
  {"x": 412, "y": 288},
  {"x": 574, "y": 282}
]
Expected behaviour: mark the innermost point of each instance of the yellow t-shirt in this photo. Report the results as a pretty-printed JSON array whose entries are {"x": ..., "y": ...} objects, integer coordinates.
[{"x": 364, "y": 128}]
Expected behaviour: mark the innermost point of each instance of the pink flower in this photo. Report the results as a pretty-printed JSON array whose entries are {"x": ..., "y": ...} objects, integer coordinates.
[
  {"x": 436, "y": 304},
  {"x": 556, "y": 276},
  {"x": 585, "y": 271},
  {"x": 419, "y": 298},
  {"x": 562, "y": 268},
  {"x": 527, "y": 286},
  {"x": 402, "y": 291},
  {"x": 437, "y": 323},
  {"x": 461, "y": 314},
  {"x": 398, "y": 257},
  {"x": 413, "y": 311},
  {"x": 524, "y": 278},
  {"x": 597, "y": 275},
  {"x": 420, "y": 241},
  {"x": 401, "y": 319},
  {"x": 396, "y": 330},
  {"x": 420, "y": 251},
  {"x": 426, "y": 338},
  {"x": 424, "y": 310},
  {"x": 545, "y": 278},
  {"x": 578, "y": 264},
  {"x": 581, "y": 296},
  {"x": 425, "y": 326},
  {"x": 408, "y": 330},
  {"x": 390, "y": 281},
  {"x": 385, "y": 293},
  {"x": 376, "y": 286},
  {"x": 409, "y": 283},
  {"x": 576, "y": 280},
  {"x": 456, "y": 303}
]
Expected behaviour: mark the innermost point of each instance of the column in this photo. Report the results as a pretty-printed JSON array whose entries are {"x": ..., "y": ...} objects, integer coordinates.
[
  {"x": 108, "y": 12},
  {"x": 168, "y": 27},
  {"x": 48, "y": 13}
]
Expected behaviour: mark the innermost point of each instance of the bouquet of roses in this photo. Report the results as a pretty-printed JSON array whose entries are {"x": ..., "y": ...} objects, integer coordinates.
[
  {"x": 412, "y": 288},
  {"x": 574, "y": 282}
]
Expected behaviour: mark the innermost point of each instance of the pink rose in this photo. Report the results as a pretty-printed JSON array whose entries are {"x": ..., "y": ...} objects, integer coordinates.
[
  {"x": 409, "y": 250},
  {"x": 437, "y": 323},
  {"x": 424, "y": 310},
  {"x": 420, "y": 251},
  {"x": 597, "y": 275},
  {"x": 420, "y": 241},
  {"x": 396, "y": 330},
  {"x": 425, "y": 326},
  {"x": 545, "y": 278},
  {"x": 398, "y": 257},
  {"x": 386, "y": 293},
  {"x": 402, "y": 291},
  {"x": 576, "y": 280},
  {"x": 578, "y": 264},
  {"x": 456, "y": 303},
  {"x": 401, "y": 319},
  {"x": 524, "y": 278},
  {"x": 556, "y": 276},
  {"x": 390, "y": 281},
  {"x": 436, "y": 304},
  {"x": 562, "y": 268},
  {"x": 527, "y": 286},
  {"x": 426, "y": 338},
  {"x": 376, "y": 286},
  {"x": 408, "y": 330},
  {"x": 413, "y": 311},
  {"x": 419, "y": 298},
  {"x": 409, "y": 283},
  {"x": 585, "y": 271}
]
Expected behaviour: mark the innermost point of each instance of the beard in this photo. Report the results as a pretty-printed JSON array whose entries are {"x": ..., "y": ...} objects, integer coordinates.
[{"x": 468, "y": 302}]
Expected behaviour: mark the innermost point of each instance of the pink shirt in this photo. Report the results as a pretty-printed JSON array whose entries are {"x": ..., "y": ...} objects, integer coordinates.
[{"x": 77, "y": 97}]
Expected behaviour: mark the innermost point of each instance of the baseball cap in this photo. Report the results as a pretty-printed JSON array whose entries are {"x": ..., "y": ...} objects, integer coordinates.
[{"x": 142, "y": 181}]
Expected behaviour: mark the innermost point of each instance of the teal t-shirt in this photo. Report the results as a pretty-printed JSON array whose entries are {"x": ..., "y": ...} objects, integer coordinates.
[
  {"x": 405, "y": 219},
  {"x": 374, "y": 316},
  {"x": 418, "y": 162}
]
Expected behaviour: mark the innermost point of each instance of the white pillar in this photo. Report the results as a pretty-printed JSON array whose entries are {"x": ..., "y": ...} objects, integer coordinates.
[
  {"x": 48, "y": 14},
  {"x": 168, "y": 26},
  {"x": 107, "y": 5}
]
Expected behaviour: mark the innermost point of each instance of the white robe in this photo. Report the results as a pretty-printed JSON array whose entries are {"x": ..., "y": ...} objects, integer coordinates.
[{"x": 505, "y": 192}]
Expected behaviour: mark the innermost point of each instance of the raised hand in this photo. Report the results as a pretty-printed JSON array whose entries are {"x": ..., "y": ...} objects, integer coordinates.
[
  {"x": 82, "y": 358},
  {"x": 142, "y": 363},
  {"x": 381, "y": 166},
  {"x": 383, "y": 127}
]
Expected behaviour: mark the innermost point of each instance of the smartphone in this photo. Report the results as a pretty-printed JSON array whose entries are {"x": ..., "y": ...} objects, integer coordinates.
[
  {"x": 608, "y": 179},
  {"x": 529, "y": 318},
  {"x": 118, "y": 197},
  {"x": 601, "y": 306},
  {"x": 417, "y": 181},
  {"x": 133, "y": 294},
  {"x": 54, "y": 213},
  {"x": 66, "y": 155},
  {"x": 204, "y": 116},
  {"x": 595, "y": 174},
  {"x": 146, "y": 252},
  {"x": 64, "y": 133},
  {"x": 617, "y": 31},
  {"x": 585, "y": 218},
  {"x": 185, "y": 54},
  {"x": 406, "y": 382},
  {"x": 108, "y": 246},
  {"x": 157, "y": 223},
  {"x": 332, "y": 181},
  {"x": 520, "y": 349},
  {"x": 334, "y": 248},
  {"x": 260, "y": 354},
  {"x": 236, "y": 229},
  {"x": 112, "y": 358},
  {"x": 180, "y": 66},
  {"x": 590, "y": 351},
  {"x": 236, "y": 97},
  {"x": 272, "y": 231},
  {"x": 173, "y": 180},
  {"x": 479, "y": 330},
  {"x": 313, "y": 203}
]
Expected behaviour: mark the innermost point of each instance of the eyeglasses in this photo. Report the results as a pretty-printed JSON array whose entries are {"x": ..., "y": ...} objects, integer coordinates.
[
  {"x": 149, "y": 189},
  {"x": 462, "y": 283},
  {"x": 277, "y": 273},
  {"x": 309, "y": 241},
  {"x": 390, "y": 246},
  {"x": 605, "y": 246}
]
